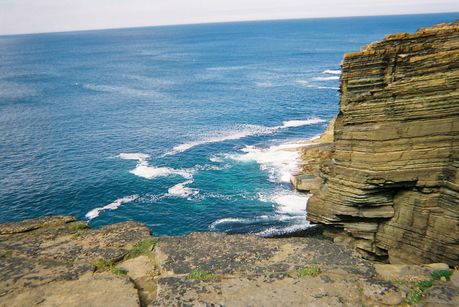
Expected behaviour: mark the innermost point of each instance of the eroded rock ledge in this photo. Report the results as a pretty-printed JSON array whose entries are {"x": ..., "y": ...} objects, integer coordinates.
[
  {"x": 57, "y": 261},
  {"x": 390, "y": 180}
]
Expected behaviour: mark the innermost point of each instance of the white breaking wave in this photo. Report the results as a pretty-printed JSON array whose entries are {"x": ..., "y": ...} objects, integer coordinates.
[
  {"x": 332, "y": 72},
  {"x": 275, "y": 231},
  {"x": 326, "y": 87},
  {"x": 278, "y": 161},
  {"x": 245, "y": 221},
  {"x": 134, "y": 156},
  {"x": 143, "y": 169},
  {"x": 301, "y": 122},
  {"x": 242, "y": 131},
  {"x": 234, "y": 134},
  {"x": 181, "y": 190},
  {"x": 112, "y": 206},
  {"x": 149, "y": 172},
  {"x": 287, "y": 201},
  {"x": 325, "y": 78}
]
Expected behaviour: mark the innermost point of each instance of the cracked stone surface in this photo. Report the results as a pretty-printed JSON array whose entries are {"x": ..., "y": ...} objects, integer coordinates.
[{"x": 50, "y": 262}]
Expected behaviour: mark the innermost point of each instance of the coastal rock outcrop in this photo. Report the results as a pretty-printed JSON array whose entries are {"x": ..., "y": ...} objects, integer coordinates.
[
  {"x": 51, "y": 261},
  {"x": 314, "y": 159},
  {"x": 58, "y": 261},
  {"x": 391, "y": 182}
]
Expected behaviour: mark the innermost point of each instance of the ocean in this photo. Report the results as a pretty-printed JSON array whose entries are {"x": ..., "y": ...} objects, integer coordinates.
[{"x": 183, "y": 128}]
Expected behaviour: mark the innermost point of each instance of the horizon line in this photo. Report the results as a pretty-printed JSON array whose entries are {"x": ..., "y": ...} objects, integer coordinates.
[{"x": 220, "y": 22}]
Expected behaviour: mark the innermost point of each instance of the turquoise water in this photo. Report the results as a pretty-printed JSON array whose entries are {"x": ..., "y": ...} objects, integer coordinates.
[{"x": 184, "y": 128}]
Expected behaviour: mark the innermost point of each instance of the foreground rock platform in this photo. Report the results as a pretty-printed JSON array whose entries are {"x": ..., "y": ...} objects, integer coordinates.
[{"x": 58, "y": 261}]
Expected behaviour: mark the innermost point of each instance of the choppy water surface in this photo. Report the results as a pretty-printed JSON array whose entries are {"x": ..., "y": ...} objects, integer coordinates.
[{"x": 184, "y": 128}]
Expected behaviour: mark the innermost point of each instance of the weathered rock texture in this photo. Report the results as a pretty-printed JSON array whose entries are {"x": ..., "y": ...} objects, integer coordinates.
[
  {"x": 392, "y": 181},
  {"x": 50, "y": 262},
  {"x": 55, "y": 261},
  {"x": 314, "y": 158}
]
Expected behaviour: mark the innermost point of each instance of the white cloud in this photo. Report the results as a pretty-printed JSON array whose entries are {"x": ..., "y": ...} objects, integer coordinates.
[{"x": 25, "y": 16}]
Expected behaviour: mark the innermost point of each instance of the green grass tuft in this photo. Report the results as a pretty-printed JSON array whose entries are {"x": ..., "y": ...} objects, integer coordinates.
[
  {"x": 416, "y": 290},
  {"x": 197, "y": 274},
  {"x": 6, "y": 253},
  {"x": 414, "y": 296},
  {"x": 141, "y": 248},
  {"x": 437, "y": 275},
  {"x": 425, "y": 284},
  {"x": 309, "y": 270},
  {"x": 118, "y": 271},
  {"x": 103, "y": 264},
  {"x": 78, "y": 226}
]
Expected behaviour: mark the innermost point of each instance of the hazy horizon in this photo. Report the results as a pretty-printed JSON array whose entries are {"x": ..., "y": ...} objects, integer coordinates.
[{"x": 28, "y": 17}]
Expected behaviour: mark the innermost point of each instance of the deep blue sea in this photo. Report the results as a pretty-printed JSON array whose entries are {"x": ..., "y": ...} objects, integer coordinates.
[{"x": 184, "y": 128}]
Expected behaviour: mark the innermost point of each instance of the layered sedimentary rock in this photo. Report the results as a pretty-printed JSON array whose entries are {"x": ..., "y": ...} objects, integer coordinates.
[
  {"x": 392, "y": 180},
  {"x": 313, "y": 159}
]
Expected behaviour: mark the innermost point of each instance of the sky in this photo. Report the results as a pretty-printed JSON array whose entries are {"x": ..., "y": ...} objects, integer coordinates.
[{"x": 35, "y": 16}]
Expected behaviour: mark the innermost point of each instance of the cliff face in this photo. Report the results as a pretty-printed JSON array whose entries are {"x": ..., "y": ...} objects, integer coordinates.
[{"x": 392, "y": 182}]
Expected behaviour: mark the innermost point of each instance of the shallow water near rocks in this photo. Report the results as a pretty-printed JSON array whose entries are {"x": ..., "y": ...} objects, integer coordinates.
[{"x": 183, "y": 128}]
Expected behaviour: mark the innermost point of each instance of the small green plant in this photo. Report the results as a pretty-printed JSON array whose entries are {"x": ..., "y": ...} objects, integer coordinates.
[
  {"x": 198, "y": 274},
  {"x": 76, "y": 234},
  {"x": 309, "y": 270},
  {"x": 141, "y": 248},
  {"x": 414, "y": 296},
  {"x": 415, "y": 290},
  {"x": 6, "y": 254},
  {"x": 437, "y": 275},
  {"x": 78, "y": 226},
  {"x": 118, "y": 271},
  {"x": 103, "y": 264},
  {"x": 425, "y": 284}
]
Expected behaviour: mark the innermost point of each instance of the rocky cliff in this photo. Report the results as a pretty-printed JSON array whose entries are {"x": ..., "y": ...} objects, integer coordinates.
[{"x": 391, "y": 183}]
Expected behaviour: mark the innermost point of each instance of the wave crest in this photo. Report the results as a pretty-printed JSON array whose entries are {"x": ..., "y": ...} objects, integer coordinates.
[
  {"x": 243, "y": 131},
  {"x": 181, "y": 190},
  {"x": 332, "y": 72},
  {"x": 112, "y": 206},
  {"x": 325, "y": 78},
  {"x": 143, "y": 169}
]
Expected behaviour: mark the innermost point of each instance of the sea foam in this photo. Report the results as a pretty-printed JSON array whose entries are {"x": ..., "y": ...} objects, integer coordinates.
[
  {"x": 245, "y": 221},
  {"x": 276, "y": 231},
  {"x": 329, "y": 78},
  {"x": 279, "y": 161},
  {"x": 303, "y": 122},
  {"x": 242, "y": 131},
  {"x": 181, "y": 190},
  {"x": 143, "y": 169},
  {"x": 332, "y": 72},
  {"x": 112, "y": 206},
  {"x": 287, "y": 201}
]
